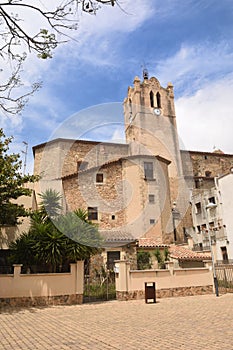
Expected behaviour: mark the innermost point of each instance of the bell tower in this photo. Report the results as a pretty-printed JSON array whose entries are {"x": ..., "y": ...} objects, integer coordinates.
[
  {"x": 150, "y": 119},
  {"x": 150, "y": 127}
]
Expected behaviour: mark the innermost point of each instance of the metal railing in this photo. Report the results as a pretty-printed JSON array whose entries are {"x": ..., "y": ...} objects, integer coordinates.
[
  {"x": 224, "y": 262},
  {"x": 5, "y": 270}
]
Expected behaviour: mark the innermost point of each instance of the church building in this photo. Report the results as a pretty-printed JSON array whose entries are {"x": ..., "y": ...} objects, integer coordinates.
[{"x": 137, "y": 191}]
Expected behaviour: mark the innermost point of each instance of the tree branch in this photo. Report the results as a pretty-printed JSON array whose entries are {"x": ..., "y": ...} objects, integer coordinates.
[{"x": 13, "y": 35}]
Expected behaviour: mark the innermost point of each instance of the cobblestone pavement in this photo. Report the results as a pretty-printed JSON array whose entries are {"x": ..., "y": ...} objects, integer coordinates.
[{"x": 198, "y": 322}]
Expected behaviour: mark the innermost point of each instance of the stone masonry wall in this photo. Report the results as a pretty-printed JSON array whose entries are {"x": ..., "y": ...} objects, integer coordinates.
[
  {"x": 81, "y": 191},
  {"x": 41, "y": 301},
  {"x": 166, "y": 293},
  {"x": 216, "y": 163}
]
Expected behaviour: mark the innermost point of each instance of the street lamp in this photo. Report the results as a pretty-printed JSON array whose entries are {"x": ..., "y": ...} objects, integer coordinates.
[
  {"x": 207, "y": 208},
  {"x": 25, "y": 156},
  {"x": 175, "y": 216}
]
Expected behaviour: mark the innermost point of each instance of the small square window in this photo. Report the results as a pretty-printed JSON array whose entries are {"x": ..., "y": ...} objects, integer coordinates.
[
  {"x": 99, "y": 178},
  {"x": 92, "y": 213},
  {"x": 113, "y": 217},
  {"x": 212, "y": 200},
  {"x": 151, "y": 198},
  {"x": 207, "y": 173},
  {"x": 152, "y": 221}
]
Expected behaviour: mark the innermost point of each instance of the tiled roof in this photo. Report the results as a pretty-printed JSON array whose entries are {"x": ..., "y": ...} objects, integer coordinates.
[
  {"x": 182, "y": 253},
  {"x": 150, "y": 243},
  {"x": 116, "y": 237}
]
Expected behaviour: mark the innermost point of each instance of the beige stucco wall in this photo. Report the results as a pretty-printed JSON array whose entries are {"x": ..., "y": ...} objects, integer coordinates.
[
  {"x": 225, "y": 195},
  {"x": 42, "y": 285},
  {"x": 127, "y": 280}
]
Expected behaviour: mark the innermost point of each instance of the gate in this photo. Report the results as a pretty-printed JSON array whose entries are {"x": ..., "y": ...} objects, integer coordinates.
[
  {"x": 224, "y": 275},
  {"x": 99, "y": 288}
]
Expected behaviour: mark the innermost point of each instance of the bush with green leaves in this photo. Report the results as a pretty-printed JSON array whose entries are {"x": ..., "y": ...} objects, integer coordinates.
[
  {"x": 161, "y": 257},
  {"x": 143, "y": 260}
]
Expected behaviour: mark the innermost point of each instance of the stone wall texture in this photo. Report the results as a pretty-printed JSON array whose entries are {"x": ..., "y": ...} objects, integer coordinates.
[
  {"x": 166, "y": 293},
  {"x": 42, "y": 301},
  {"x": 198, "y": 163}
]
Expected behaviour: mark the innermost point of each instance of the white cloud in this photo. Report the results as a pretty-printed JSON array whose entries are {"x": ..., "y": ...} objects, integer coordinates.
[
  {"x": 94, "y": 37},
  {"x": 203, "y": 83},
  {"x": 205, "y": 120},
  {"x": 192, "y": 66}
]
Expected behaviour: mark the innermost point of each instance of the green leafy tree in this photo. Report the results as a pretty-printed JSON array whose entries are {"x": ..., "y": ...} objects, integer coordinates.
[
  {"x": 143, "y": 260},
  {"x": 12, "y": 184}
]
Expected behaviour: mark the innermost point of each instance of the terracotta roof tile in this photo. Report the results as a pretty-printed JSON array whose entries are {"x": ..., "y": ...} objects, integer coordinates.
[
  {"x": 182, "y": 253},
  {"x": 150, "y": 243},
  {"x": 116, "y": 237}
]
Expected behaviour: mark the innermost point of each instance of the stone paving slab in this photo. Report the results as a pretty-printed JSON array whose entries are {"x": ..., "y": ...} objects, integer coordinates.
[{"x": 198, "y": 322}]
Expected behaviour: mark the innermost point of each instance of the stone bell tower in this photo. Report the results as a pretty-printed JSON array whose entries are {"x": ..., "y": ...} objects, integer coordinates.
[
  {"x": 150, "y": 120},
  {"x": 150, "y": 127}
]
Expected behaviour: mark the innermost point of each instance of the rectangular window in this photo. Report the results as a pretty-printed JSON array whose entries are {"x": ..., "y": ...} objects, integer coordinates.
[
  {"x": 212, "y": 200},
  {"x": 111, "y": 257},
  {"x": 151, "y": 198},
  {"x": 197, "y": 183},
  {"x": 211, "y": 225},
  {"x": 203, "y": 227},
  {"x": 198, "y": 208},
  {"x": 148, "y": 170},
  {"x": 152, "y": 221},
  {"x": 198, "y": 228},
  {"x": 224, "y": 254},
  {"x": 92, "y": 213},
  {"x": 99, "y": 178}
]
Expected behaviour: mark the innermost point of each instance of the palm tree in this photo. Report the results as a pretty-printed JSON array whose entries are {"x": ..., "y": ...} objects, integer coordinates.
[
  {"x": 22, "y": 250},
  {"x": 57, "y": 239},
  {"x": 49, "y": 245},
  {"x": 78, "y": 229},
  {"x": 51, "y": 200}
]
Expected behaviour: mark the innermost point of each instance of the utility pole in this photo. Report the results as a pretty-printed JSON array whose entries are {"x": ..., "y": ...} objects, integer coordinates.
[{"x": 25, "y": 157}]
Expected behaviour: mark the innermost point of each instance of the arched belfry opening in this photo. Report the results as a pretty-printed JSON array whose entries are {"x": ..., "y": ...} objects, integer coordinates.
[
  {"x": 130, "y": 107},
  {"x": 158, "y": 100},
  {"x": 152, "y": 99}
]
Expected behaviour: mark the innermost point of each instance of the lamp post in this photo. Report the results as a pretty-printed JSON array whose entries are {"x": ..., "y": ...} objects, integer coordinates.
[
  {"x": 25, "y": 157},
  {"x": 175, "y": 216},
  {"x": 207, "y": 208}
]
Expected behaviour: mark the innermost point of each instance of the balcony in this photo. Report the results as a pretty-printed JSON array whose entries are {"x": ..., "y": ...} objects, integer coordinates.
[
  {"x": 200, "y": 247},
  {"x": 224, "y": 262}
]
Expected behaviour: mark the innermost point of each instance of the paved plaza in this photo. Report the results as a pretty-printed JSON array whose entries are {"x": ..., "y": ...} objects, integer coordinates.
[{"x": 198, "y": 322}]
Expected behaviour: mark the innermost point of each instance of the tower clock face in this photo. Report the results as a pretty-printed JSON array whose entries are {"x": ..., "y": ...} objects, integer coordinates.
[{"x": 157, "y": 111}]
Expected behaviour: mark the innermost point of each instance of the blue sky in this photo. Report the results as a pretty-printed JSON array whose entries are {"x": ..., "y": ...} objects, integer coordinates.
[{"x": 189, "y": 43}]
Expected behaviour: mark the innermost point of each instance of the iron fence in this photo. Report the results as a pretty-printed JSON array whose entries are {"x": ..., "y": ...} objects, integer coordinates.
[
  {"x": 99, "y": 288},
  {"x": 224, "y": 275}
]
